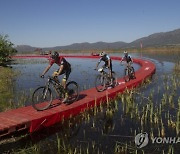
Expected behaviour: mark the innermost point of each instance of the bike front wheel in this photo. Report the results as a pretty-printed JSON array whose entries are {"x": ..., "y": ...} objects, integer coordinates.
[
  {"x": 100, "y": 83},
  {"x": 72, "y": 90},
  {"x": 42, "y": 98}
]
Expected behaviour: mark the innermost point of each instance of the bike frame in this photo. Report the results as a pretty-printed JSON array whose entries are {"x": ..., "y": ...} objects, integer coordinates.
[
  {"x": 53, "y": 82},
  {"x": 104, "y": 73}
]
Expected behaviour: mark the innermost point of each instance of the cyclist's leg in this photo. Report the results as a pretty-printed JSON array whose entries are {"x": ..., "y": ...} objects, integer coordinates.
[
  {"x": 111, "y": 77},
  {"x": 110, "y": 74},
  {"x": 54, "y": 75},
  {"x": 104, "y": 66},
  {"x": 129, "y": 64},
  {"x": 110, "y": 70},
  {"x": 65, "y": 78}
]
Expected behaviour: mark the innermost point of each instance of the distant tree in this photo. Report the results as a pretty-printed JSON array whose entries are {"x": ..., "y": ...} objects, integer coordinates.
[{"x": 6, "y": 49}]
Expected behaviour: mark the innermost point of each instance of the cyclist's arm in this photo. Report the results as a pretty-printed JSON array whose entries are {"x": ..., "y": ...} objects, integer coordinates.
[
  {"x": 60, "y": 69},
  {"x": 98, "y": 63},
  {"x": 122, "y": 59},
  {"x": 131, "y": 60},
  {"x": 46, "y": 69}
]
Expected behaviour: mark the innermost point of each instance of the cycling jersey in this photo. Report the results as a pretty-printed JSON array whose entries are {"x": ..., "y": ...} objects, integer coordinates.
[
  {"x": 106, "y": 58},
  {"x": 60, "y": 61},
  {"x": 127, "y": 58},
  {"x": 66, "y": 69}
]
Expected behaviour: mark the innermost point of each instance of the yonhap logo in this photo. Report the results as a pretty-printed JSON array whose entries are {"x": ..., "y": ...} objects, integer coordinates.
[{"x": 141, "y": 140}]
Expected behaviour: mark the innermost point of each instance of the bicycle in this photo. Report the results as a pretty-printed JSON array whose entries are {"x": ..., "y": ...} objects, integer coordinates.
[
  {"x": 42, "y": 97},
  {"x": 129, "y": 73},
  {"x": 103, "y": 80}
]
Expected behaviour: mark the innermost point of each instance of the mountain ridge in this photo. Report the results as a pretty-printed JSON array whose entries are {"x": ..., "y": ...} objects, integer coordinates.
[{"x": 153, "y": 40}]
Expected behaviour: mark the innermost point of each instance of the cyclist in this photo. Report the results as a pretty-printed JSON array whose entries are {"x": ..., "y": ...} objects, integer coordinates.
[
  {"x": 127, "y": 58},
  {"x": 64, "y": 68},
  {"x": 108, "y": 63}
]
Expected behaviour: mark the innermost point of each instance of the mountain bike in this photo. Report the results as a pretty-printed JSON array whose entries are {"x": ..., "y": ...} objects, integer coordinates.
[
  {"x": 103, "y": 80},
  {"x": 42, "y": 97},
  {"x": 129, "y": 73}
]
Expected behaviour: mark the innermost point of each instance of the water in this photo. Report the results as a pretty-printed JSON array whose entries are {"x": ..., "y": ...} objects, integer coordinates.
[
  {"x": 82, "y": 72},
  {"x": 105, "y": 131}
]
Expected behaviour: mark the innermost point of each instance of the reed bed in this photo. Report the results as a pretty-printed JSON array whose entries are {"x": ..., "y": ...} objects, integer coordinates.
[{"x": 112, "y": 126}]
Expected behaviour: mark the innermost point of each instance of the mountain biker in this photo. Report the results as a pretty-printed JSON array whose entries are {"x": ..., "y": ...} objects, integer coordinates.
[
  {"x": 127, "y": 58},
  {"x": 64, "y": 68},
  {"x": 108, "y": 63}
]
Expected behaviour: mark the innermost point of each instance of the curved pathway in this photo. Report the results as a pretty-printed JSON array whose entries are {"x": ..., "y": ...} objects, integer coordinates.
[{"x": 27, "y": 118}]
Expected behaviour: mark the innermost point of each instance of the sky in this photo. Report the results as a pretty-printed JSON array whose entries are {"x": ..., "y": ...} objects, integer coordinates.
[{"x": 50, "y": 23}]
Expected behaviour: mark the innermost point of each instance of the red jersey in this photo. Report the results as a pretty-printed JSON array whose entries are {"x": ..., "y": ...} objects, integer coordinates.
[{"x": 60, "y": 61}]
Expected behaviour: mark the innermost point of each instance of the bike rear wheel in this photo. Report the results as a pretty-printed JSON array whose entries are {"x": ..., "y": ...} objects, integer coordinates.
[
  {"x": 114, "y": 76},
  {"x": 42, "y": 98},
  {"x": 100, "y": 83},
  {"x": 132, "y": 73},
  {"x": 72, "y": 90},
  {"x": 126, "y": 75}
]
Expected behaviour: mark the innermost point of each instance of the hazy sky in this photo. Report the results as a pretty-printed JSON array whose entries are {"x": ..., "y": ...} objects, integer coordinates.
[{"x": 48, "y": 23}]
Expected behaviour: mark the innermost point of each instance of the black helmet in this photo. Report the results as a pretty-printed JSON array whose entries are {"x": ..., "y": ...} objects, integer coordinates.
[{"x": 55, "y": 55}]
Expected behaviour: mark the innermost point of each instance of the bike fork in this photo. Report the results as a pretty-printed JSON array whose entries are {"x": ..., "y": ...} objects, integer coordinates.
[{"x": 46, "y": 90}]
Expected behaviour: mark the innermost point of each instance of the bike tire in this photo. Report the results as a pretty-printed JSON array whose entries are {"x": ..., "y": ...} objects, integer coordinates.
[
  {"x": 100, "y": 83},
  {"x": 115, "y": 82},
  {"x": 42, "y": 98},
  {"x": 126, "y": 75},
  {"x": 72, "y": 89},
  {"x": 132, "y": 73}
]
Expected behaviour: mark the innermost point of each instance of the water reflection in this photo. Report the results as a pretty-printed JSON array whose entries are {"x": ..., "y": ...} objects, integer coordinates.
[
  {"x": 111, "y": 126},
  {"x": 82, "y": 72}
]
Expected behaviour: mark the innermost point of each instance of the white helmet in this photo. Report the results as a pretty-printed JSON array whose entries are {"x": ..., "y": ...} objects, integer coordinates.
[
  {"x": 102, "y": 54},
  {"x": 125, "y": 53}
]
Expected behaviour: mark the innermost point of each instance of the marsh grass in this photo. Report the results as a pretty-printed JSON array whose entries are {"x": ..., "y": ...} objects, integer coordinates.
[
  {"x": 29, "y": 61},
  {"x": 156, "y": 112},
  {"x": 7, "y": 76},
  {"x": 8, "y": 98},
  {"x": 156, "y": 118},
  {"x": 177, "y": 68}
]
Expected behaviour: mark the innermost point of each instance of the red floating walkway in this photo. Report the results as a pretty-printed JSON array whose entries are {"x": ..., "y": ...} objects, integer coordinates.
[{"x": 28, "y": 118}]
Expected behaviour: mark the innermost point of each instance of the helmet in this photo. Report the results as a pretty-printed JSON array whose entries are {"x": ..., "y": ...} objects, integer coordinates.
[
  {"x": 102, "y": 54},
  {"x": 125, "y": 53},
  {"x": 55, "y": 55}
]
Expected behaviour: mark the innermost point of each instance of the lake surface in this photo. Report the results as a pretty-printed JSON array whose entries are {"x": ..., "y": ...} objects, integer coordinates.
[
  {"x": 83, "y": 73},
  {"x": 114, "y": 126}
]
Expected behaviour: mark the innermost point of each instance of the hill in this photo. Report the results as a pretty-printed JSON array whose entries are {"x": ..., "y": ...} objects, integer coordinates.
[
  {"x": 154, "y": 40},
  {"x": 159, "y": 39}
]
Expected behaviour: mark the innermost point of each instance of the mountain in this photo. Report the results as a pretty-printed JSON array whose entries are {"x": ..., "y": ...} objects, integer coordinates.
[
  {"x": 156, "y": 39},
  {"x": 159, "y": 39},
  {"x": 88, "y": 46},
  {"x": 25, "y": 48}
]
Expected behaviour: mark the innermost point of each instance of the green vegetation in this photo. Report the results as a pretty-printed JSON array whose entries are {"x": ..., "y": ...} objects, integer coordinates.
[
  {"x": 177, "y": 67},
  {"x": 6, "y": 49},
  {"x": 6, "y": 88},
  {"x": 157, "y": 113},
  {"x": 153, "y": 108}
]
